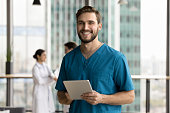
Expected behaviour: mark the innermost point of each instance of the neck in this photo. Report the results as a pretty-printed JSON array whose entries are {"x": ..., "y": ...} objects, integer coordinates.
[
  {"x": 88, "y": 49},
  {"x": 40, "y": 62}
]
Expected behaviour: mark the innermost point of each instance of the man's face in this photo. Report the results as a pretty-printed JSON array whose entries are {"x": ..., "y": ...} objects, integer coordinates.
[{"x": 88, "y": 27}]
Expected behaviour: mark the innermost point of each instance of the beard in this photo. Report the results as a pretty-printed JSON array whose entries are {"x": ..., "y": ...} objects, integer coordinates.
[{"x": 94, "y": 35}]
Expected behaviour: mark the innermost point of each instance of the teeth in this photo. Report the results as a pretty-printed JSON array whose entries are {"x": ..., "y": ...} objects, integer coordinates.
[{"x": 86, "y": 33}]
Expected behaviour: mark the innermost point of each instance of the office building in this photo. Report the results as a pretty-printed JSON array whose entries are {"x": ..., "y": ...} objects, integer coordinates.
[{"x": 130, "y": 44}]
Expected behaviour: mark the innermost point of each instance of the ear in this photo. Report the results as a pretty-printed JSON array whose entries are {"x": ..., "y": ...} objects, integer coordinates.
[
  {"x": 100, "y": 26},
  {"x": 71, "y": 49}
]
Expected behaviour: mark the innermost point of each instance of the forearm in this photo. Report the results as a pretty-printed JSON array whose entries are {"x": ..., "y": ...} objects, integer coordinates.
[
  {"x": 120, "y": 98},
  {"x": 63, "y": 99},
  {"x": 43, "y": 81}
]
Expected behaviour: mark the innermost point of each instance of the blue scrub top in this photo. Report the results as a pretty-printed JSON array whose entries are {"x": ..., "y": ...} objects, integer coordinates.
[{"x": 107, "y": 70}]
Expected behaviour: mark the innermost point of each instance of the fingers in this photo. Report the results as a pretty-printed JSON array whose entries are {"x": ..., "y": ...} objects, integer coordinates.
[
  {"x": 94, "y": 93},
  {"x": 92, "y": 97},
  {"x": 92, "y": 102},
  {"x": 55, "y": 78},
  {"x": 68, "y": 97}
]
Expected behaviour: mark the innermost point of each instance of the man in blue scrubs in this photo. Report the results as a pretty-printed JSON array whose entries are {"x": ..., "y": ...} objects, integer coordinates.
[{"x": 105, "y": 68}]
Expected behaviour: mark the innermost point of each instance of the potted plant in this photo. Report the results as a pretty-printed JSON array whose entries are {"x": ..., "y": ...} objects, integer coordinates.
[{"x": 9, "y": 64}]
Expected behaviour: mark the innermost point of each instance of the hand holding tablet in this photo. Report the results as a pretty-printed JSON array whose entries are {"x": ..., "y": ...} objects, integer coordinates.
[{"x": 76, "y": 88}]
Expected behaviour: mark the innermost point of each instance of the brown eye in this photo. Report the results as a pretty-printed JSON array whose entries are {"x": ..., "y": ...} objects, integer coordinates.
[
  {"x": 80, "y": 23},
  {"x": 91, "y": 22}
]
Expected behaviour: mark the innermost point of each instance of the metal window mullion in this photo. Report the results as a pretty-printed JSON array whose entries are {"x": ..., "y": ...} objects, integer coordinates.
[
  {"x": 147, "y": 96},
  {"x": 167, "y": 61},
  {"x": 9, "y": 97},
  {"x": 87, "y": 2}
]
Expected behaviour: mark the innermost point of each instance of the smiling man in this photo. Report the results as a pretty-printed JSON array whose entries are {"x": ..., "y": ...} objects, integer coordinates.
[{"x": 105, "y": 68}]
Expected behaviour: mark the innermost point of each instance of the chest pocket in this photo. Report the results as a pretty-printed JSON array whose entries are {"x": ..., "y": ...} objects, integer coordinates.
[{"x": 101, "y": 82}]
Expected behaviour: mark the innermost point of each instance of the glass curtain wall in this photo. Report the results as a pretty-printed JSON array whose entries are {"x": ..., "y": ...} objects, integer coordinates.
[
  {"x": 102, "y": 7},
  {"x": 130, "y": 44},
  {"x": 3, "y": 38},
  {"x": 63, "y": 27},
  {"x": 153, "y": 50},
  {"x": 29, "y": 33},
  {"x": 29, "y": 25}
]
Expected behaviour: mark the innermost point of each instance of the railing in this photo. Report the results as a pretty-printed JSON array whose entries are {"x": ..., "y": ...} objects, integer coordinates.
[
  {"x": 148, "y": 78},
  {"x": 9, "y": 92},
  {"x": 16, "y": 76},
  {"x": 134, "y": 77}
]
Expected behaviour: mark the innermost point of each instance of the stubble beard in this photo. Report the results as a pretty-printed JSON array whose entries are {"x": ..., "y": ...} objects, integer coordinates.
[{"x": 92, "y": 37}]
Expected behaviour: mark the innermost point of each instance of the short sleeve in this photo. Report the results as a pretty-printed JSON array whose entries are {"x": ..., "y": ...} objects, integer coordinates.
[
  {"x": 122, "y": 74},
  {"x": 62, "y": 76}
]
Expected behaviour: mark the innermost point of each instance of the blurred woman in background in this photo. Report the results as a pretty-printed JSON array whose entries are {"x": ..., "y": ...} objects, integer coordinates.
[{"x": 43, "y": 79}]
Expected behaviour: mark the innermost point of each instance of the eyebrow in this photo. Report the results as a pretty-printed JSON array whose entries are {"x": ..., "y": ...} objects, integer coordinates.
[{"x": 87, "y": 21}]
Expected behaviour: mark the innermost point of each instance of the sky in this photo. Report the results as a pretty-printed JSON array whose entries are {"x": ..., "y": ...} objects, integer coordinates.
[{"x": 153, "y": 29}]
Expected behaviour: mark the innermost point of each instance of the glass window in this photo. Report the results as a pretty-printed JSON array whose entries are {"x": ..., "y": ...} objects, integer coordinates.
[
  {"x": 29, "y": 25},
  {"x": 23, "y": 92},
  {"x": 29, "y": 33},
  {"x": 64, "y": 28},
  {"x": 3, "y": 88},
  {"x": 153, "y": 49},
  {"x": 153, "y": 37},
  {"x": 3, "y": 38}
]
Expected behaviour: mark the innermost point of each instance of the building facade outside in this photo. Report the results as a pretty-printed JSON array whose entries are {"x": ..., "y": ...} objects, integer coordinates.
[{"x": 130, "y": 44}]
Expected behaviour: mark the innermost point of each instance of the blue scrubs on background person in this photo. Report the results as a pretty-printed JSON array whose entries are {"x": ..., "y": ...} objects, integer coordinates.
[{"x": 108, "y": 73}]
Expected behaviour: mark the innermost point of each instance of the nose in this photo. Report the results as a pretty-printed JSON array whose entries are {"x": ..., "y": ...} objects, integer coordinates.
[{"x": 85, "y": 26}]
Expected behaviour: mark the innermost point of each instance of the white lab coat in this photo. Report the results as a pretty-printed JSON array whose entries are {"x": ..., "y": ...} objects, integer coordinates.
[{"x": 42, "y": 94}]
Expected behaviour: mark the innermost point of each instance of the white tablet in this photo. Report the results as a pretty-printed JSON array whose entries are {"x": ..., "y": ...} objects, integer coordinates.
[{"x": 76, "y": 88}]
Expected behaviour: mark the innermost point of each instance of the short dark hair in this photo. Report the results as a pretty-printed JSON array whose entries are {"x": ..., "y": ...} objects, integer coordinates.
[
  {"x": 70, "y": 45},
  {"x": 38, "y": 52},
  {"x": 89, "y": 9}
]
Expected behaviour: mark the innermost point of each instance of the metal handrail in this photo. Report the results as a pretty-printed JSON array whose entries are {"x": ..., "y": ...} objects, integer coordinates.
[
  {"x": 166, "y": 77},
  {"x": 134, "y": 77}
]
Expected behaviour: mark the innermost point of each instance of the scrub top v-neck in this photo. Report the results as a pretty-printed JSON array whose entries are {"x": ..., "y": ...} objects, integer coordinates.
[
  {"x": 88, "y": 63},
  {"x": 107, "y": 71}
]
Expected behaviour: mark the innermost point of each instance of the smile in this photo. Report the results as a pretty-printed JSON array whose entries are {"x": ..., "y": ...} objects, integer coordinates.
[{"x": 86, "y": 33}]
